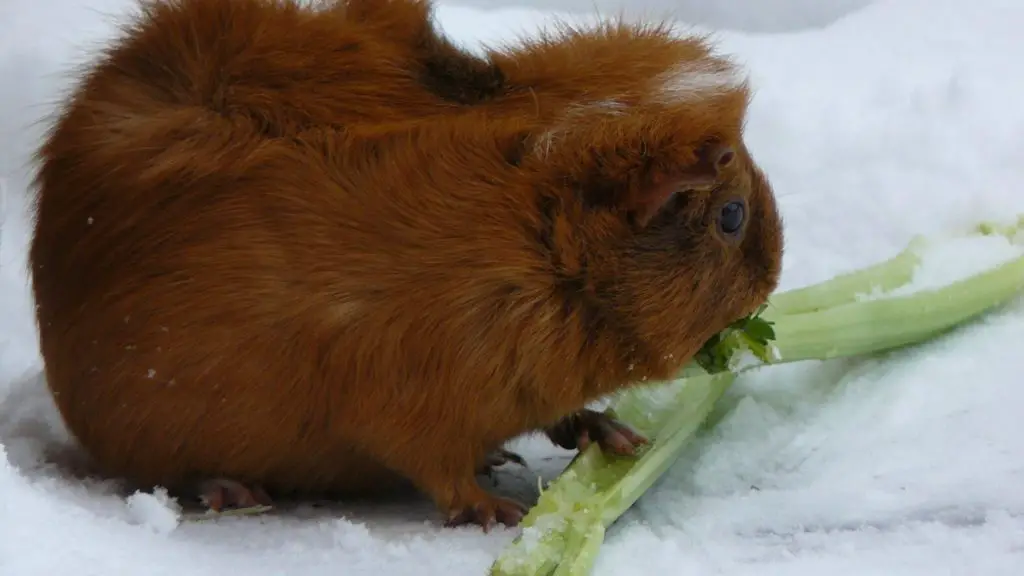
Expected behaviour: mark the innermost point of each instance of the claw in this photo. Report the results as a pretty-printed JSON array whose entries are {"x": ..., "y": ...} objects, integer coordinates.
[
  {"x": 220, "y": 494},
  {"x": 582, "y": 428},
  {"x": 487, "y": 512},
  {"x": 499, "y": 458}
]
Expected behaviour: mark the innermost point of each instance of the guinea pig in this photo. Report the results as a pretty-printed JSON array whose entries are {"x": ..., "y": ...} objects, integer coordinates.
[{"x": 282, "y": 249}]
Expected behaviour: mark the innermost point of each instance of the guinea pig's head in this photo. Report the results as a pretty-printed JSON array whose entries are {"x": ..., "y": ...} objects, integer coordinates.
[{"x": 662, "y": 227}]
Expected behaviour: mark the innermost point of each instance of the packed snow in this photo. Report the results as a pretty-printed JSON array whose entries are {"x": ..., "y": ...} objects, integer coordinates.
[{"x": 876, "y": 121}]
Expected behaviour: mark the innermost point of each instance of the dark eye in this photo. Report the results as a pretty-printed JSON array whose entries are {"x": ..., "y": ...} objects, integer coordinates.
[{"x": 730, "y": 220}]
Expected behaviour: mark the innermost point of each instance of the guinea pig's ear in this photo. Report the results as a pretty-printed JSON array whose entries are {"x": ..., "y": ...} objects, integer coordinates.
[{"x": 662, "y": 182}]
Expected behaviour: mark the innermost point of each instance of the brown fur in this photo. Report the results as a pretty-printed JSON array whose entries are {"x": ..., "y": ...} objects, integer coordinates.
[{"x": 323, "y": 249}]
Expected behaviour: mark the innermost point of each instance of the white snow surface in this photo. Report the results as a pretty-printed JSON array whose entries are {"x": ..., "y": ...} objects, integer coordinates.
[{"x": 900, "y": 118}]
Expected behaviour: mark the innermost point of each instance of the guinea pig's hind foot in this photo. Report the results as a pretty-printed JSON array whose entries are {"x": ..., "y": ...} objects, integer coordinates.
[
  {"x": 580, "y": 429},
  {"x": 222, "y": 494}
]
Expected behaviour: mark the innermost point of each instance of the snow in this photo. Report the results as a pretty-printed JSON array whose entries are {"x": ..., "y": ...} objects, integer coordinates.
[
  {"x": 156, "y": 511},
  {"x": 876, "y": 121}
]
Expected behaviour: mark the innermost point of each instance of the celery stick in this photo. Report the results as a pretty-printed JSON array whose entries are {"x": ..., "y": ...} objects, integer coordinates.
[
  {"x": 581, "y": 543},
  {"x": 584, "y": 535},
  {"x": 605, "y": 485},
  {"x": 882, "y": 277},
  {"x": 696, "y": 401},
  {"x": 845, "y": 288},
  {"x": 1008, "y": 230},
  {"x": 887, "y": 323},
  {"x": 564, "y": 531}
]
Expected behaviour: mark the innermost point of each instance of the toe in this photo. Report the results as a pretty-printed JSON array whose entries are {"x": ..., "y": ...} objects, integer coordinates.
[
  {"x": 617, "y": 437},
  {"x": 585, "y": 427},
  {"x": 510, "y": 513},
  {"x": 486, "y": 513},
  {"x": 220, "y": 494}
]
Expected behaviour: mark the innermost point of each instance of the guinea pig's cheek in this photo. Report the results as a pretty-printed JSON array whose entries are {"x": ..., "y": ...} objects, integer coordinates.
[
  {"x": 762, "y": 252},
  {"x": 760, "y": 282}
]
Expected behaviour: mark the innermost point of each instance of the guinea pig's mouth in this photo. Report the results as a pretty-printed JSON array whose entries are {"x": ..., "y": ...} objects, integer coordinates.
[
  {"x": 763, "y": 287},
  {"x": 755, "y": 308}
]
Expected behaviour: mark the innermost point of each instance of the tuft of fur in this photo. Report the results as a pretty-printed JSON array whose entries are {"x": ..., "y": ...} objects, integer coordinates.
[{"x": 324, "y": 250}]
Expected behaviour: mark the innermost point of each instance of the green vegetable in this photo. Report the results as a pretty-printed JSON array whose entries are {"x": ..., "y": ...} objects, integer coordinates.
[{"x": 564, "y": 530}]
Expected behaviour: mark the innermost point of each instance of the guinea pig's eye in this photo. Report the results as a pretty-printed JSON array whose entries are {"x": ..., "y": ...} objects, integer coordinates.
[{"x": 731, "y": 217}]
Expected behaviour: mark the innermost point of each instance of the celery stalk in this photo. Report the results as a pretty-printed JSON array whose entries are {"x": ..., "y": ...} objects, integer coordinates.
[
  {"x": 881, "y": 277},
  {"x": 887, "y": 323},
  {"x": 845, "y": 288},
  {"x": 695, "y": 401},
  {"x": 563, "y": 532}
]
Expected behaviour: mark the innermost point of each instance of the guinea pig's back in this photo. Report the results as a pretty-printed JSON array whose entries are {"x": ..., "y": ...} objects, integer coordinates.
[{"x": 215, "y": 129}]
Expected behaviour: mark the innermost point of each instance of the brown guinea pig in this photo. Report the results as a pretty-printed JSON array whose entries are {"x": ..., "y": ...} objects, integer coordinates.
[{"x": 322, "y": 251}]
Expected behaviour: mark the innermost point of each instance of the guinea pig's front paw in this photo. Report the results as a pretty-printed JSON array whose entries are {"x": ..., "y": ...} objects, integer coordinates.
[
  {"x": 579, "y": 429},
  {"x": 484, "y": 510}
]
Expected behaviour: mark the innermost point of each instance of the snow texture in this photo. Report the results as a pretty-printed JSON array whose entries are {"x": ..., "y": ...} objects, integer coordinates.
[{"x": 876, "y": 121}]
